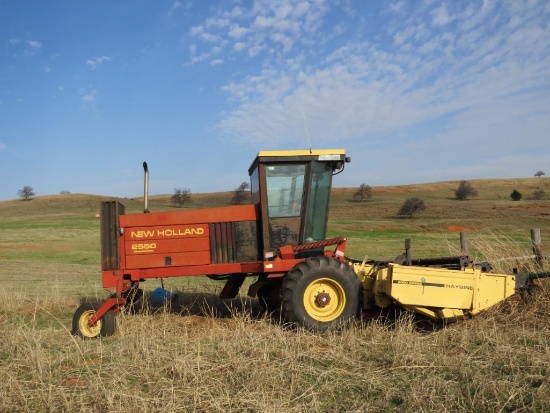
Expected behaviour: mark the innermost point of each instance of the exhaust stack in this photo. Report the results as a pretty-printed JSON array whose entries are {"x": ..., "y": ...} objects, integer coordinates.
[{"x": 146, "y": 188}]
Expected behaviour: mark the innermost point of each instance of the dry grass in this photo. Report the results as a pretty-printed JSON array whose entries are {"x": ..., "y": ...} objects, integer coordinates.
[
  {"x": 204, "y": 355},
  {"x": 242, "y": 361}
]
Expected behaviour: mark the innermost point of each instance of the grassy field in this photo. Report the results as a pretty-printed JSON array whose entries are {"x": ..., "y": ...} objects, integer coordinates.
[{"x": 205, "y": 355}]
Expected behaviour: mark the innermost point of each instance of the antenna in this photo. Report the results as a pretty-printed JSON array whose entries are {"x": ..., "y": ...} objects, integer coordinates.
[{"x": 307, "y": 131}]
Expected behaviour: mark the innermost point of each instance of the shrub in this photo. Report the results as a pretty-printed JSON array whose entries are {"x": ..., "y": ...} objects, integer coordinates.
[
  {"x": 465, "y": 190},
  {"x": 411, "y": 206},
  {"x": 538, "y": 195},
  {"x": 363, "y": 192},
  {"x": 515, "y": 195},
  {"x": 181, "y": 196}
]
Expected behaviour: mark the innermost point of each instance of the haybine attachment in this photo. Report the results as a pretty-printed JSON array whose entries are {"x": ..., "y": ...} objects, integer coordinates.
[{"x": 437, "y": 293}]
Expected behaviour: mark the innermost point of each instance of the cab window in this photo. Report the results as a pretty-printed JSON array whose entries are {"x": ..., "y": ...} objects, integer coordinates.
[{"x": 285, "y": 189}]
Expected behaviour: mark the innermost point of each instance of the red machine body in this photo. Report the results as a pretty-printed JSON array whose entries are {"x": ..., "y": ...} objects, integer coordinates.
[{"x": 285, "y": 222}]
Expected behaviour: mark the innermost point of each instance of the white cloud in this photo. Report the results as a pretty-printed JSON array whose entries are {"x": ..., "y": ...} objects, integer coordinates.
[
  {"x": 239, "y": 46},
  {"x": 268, "y": 27},
  {"x": 467, "y": 80},
  {"x": 28, "y": 47},
  {"x": 216, "y": 62},
  {"x": 211, "y": 38},
  {"x": 95, "y": 63},
  {"x": 237, "y": 31},
  {"x": 90, "y": 97},
  {"x": 2, "y": 146},
  {"x": 34, "y": 44},
  {"x": 176, "y": 5},
  {"x": 441, "y": 16}
]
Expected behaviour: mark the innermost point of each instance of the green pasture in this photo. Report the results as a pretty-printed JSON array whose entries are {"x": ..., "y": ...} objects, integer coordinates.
[{"x": 52, "y": 242}]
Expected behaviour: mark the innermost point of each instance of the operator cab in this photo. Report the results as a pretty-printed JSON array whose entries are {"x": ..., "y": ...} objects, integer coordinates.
[{"x": 291, "y": 189}]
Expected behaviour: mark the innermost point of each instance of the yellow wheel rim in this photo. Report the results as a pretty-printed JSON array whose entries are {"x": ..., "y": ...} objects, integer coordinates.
[
  {"x": 324, "y": 299},
  {"x": 86, "y": 329}
]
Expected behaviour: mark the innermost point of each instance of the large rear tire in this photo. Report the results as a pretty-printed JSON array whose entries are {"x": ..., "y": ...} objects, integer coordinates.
[
  {"x": 321, "y": 293},
  {"x": 104, "y": 327}
]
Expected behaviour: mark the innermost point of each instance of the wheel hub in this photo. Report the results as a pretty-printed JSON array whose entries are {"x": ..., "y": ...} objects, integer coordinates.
[
  {"x": 86, "y": 329},
  {"x": 322, "y": 299}
]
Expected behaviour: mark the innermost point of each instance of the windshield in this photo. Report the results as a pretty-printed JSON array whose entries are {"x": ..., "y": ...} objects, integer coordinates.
[{"x": 285, "y": 189}]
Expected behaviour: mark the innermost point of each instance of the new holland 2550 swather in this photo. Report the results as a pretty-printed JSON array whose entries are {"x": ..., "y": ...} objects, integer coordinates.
[{"x": 279, "y": 237}]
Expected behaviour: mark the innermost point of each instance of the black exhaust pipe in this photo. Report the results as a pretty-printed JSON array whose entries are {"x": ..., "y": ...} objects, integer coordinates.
[{"x": 146, "y": 188}]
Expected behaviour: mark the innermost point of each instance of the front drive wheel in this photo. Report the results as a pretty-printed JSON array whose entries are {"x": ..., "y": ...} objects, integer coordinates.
[
  {"x": 104, "y": 327},
  {"x": 321, "y": 293}
]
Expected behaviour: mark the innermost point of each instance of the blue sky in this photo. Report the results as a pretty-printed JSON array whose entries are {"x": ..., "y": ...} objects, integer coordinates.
[{"x": 415, "y": 91}]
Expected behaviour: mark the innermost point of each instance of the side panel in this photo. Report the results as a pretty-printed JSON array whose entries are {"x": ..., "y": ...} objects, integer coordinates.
[
  {"x": 174, "y": 245},
  {"x": 187, "y": 238},
  {"x": 247, "y": 239},
  {"x": 431, "y": 287},
  {"x": 167, "y": 245},
  {"x": 195, "y": 216},
  {"x": 173, "y": 259}
]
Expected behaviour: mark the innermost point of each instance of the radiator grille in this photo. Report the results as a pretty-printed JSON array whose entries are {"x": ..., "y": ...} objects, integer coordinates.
[{"x": 222, "y": 242}]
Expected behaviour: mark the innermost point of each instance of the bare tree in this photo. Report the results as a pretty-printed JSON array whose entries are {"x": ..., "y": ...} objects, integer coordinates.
[
  {"x": 538, "y": 194},
  {"x": 465, "y": 190},
  {"x": 181, "y": 196},
  {"x": 26, "y": 193},
  {"x": 539, "y": 173},
  {"x": 239, "y": 194},
  {"x": 412, "y": 206},
  {"x": 363, "y": 192}
]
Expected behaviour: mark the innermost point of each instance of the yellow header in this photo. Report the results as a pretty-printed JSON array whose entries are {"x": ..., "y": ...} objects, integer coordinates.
[{"x": 303, "y": 152}]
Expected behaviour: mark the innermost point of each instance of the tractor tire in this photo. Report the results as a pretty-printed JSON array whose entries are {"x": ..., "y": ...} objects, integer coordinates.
[
  {"x": 321, "y": 293},
  {"x": 269, "y": 296},
  {"x": 104, "y": 327}
]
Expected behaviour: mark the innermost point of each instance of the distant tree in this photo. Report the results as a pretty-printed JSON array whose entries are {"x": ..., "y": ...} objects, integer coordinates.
[
  {"x": 411, "y": 206},
  {"x": 363, "y": 192},
  {"x": 465, "y": 190},
  {"x": 239, "y": 194},
  {"x": 181, "y": 196},
  {"x": 515, "y": 195},
  {"x": 539, "y": 173},
  {"x": 26, "y": 193},
  {"x": 538, "y": 195},
  {"x": 65, "y": 192}
]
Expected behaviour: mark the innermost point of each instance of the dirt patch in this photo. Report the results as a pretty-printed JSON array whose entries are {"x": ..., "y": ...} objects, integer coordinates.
[
  {"x": 524, "y": 207},
  {"x": 457, "y": 228}
]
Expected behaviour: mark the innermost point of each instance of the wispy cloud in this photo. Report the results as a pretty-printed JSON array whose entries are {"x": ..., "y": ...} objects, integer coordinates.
[
  {"x": 264, "y": 28},
  {"x": 95, "y": 63},
  {"x": 34, "y": 44},
  {"x": 2, "y": 146},
  {"x": 460, "y": 65},
  {"x": 27, "y": 47},
  {"x": 90, "y": 97}
]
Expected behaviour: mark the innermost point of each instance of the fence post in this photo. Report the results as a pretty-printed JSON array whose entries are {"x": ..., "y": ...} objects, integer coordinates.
[
  {"x": 537, "y": 249},
  {"x": 464, "y": 244},
  {"x": 408, "y": 251}
]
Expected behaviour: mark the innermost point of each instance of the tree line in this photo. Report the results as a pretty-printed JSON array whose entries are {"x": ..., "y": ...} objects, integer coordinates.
[{"x": 465, "y": 190}]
